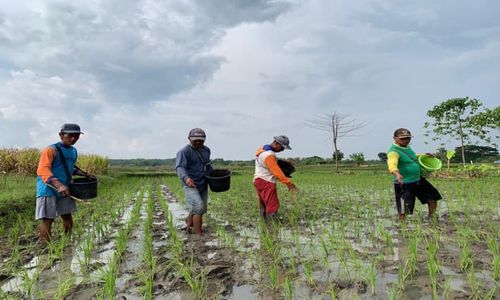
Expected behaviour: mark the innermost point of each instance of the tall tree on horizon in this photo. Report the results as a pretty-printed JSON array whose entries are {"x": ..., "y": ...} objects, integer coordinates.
[{"x": 337, "y": 125}]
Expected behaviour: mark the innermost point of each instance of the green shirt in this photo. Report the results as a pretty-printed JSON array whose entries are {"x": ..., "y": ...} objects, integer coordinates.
[{"x": 407, "y": 164}]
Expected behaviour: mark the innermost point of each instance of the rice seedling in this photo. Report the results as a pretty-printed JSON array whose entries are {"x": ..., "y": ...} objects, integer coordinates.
[
  {"x": 273, "y": 276},
  {"x": 64, "y": 285},
  {"x": 288, "y": 288},
  {"x": 433, "y": 265},
  {"x": 413, "y": 255},
  {"x": 197, "y": 283},
  {"x": 401, "y": 277},
  {"x": 495, "y": 253},
  {"x": 465, "y": 256},
  {"x": 108, "y": 277},
  {"x": 308, "y": 273},
  {"x": 292, "y": 265},
  {"x": 394, "y": 292},
  {"x": 261, "y": 266},
  {"x": 86, "y": 247},
  {"x": 371, "y": 274},
  {"x": 491, "y": 293},
  {"x": 333, "y": 292},
  {"x": 446, "y": 287},
  {"x": 29, "y": 281},
  {"x": 474, "y": 286}
]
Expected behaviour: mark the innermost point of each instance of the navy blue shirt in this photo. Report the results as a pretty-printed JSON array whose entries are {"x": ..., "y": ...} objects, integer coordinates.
[{"x": 194, "y": 164}]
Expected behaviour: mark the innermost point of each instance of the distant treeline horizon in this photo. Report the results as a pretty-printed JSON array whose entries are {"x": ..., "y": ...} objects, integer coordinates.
[
  {"x": 170, "y": 162},
  {"x": 474, "y": 153}
]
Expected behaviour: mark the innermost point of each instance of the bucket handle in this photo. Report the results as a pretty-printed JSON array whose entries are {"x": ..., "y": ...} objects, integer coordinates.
[{"x": 73, "y": 197}]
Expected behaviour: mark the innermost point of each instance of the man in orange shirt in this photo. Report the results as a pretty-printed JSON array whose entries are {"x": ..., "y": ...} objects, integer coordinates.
[
  {"x": 56, "y": 166},
  {"x": 267, "y": 172}
]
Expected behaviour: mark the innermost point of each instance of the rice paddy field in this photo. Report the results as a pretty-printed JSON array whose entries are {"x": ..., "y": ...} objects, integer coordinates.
[{"x": 339, "y": 238}]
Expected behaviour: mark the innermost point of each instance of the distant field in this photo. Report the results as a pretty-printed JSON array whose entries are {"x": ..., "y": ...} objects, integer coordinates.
[{"x": 339, "y": 237}]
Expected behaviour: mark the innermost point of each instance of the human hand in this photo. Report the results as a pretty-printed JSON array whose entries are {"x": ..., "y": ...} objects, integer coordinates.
[
  {"x": 190, "y": 182},
  {"x": 399, "y": 177},
  {"x": 62, "y": 189},
  {"x": 292, "y": 188}
]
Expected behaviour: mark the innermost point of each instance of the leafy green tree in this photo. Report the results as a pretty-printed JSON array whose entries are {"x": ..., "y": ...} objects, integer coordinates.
[
  {"x": 358, "y": 158},
  {"x": 313, "y": 160},
  {"x": 476, "y": 153},
  {"x": 338, "y": 156},
  {"x": 440, "y": 153},
  {"x": 462, "y": 120},
  {"x": 382, "y": 156}
]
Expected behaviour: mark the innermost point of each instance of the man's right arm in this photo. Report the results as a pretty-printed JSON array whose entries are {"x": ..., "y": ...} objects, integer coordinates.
[
  {"x": 392, "y": 164},
  {"x": 44, "y": 170},
  {"x": 181, "y": 165},
  {"x": 273, "y": 167}
]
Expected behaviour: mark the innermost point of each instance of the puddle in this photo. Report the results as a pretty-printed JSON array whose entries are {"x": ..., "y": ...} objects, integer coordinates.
[{"x": 243, "y": 292}]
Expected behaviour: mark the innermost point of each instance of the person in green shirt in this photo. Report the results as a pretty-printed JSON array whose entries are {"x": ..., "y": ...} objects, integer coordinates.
[{"x": 408, "y": 182}]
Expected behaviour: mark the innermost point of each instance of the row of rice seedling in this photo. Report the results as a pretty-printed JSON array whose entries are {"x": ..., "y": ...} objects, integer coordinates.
[
  {"x": 346, "y": 226},
  {"x": 149, "y": 261},
  {"x": 109, "y": 273},
  {"x": 25, "y": 161},
  {"x": 181, "y": 261},
  {"x": 92, "y": 224}
]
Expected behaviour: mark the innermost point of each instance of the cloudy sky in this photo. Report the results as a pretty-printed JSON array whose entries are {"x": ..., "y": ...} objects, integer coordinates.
[{"x": 137, "y": 75}]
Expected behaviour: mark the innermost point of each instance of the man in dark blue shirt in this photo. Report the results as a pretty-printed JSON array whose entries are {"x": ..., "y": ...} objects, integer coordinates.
[{"x": 192, "y": 164}]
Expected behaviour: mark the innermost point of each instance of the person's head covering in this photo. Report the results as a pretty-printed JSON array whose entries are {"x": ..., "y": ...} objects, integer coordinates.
[
  {"x": 402, "y": 133},
  {"x": 70, "y": 128},
  {"x": 283, "y": 141},
  {"x": 197, "y": 134}
]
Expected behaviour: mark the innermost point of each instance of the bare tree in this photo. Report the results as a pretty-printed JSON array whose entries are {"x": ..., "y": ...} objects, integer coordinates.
[{"x": 337, "y": 125}]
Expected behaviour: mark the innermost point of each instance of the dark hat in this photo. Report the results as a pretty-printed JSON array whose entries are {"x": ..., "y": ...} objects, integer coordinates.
[
  {"x": 70, "y": 128},
  {"x": 402, "y": 133},
  {"x": 197, "y": 134},
  {"x": 283, "y": 141}
]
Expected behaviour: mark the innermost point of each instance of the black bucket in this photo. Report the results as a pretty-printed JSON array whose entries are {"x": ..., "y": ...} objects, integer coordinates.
[
  {"x": 286, "y": 167},
  {"x": 219, "y": 180},
  {"x": 83, "y": 187}
]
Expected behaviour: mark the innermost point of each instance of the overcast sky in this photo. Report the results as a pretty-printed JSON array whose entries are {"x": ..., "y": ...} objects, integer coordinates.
[{"x": 138, "y": 75}]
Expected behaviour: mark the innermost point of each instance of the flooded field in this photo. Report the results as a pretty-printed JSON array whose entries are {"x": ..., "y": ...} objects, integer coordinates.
[{"x": 339, "y": 238}]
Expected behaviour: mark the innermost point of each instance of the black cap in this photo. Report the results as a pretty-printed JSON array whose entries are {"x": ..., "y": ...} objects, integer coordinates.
[
  {"x": 70, "y": 128},
  {"x": 402, "y": 133},
  {"x": 197, "y": 134}
]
